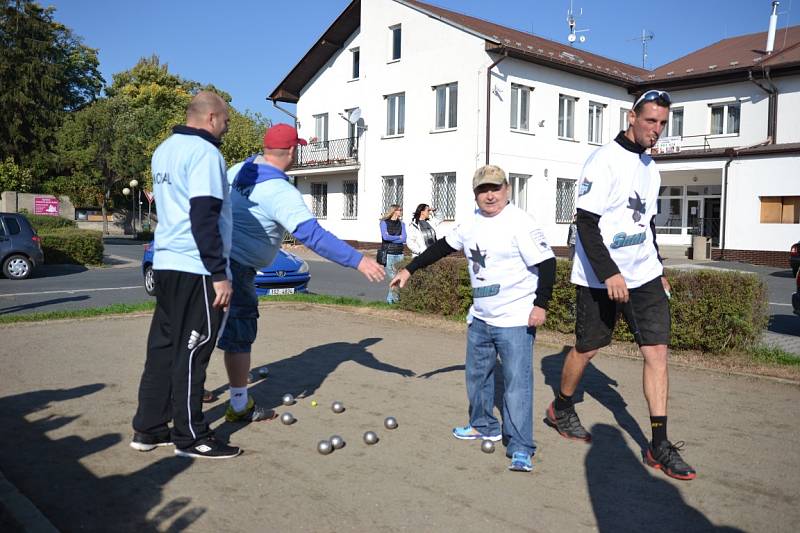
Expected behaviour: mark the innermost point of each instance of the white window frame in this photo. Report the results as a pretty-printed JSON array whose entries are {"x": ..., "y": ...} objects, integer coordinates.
[
  {"x": 445, "y": 204},
  {"x": 395, "y": 44},
  {"x": 320, "y": 131},
  {"x": 355, "y": 63},
  {"x": 623, "y": 119},
  {"x": 565, "y": 200},
  {"x": 319, "y": 200},
  {"x": 518, "y": 183},
  {"x": 350, "y": 200},
  {"x": 594, "y": 131},
  {"x": 395, "y": 114},
  {"x": 393, "y": 196},
  {"x": 725, "y": 126},
  {"x": 444, "y": 95},
  {"x": 671, "y": 123},
  {"x": 520, "y": 120},
  {"x": 566, "y": 116}
]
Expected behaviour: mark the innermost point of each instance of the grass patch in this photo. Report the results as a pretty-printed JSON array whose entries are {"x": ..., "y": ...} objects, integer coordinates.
[
  {"x": 324, "y": 299},
  {"x": 114, "y": 309},
  {"x": 773, "y": 355}
]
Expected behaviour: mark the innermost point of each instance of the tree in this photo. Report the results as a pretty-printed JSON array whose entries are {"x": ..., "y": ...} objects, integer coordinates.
[
  {"x": 14, "y": 178},
  {"x": 45, "y": 72},
  {"x": 245, "y": 136}
]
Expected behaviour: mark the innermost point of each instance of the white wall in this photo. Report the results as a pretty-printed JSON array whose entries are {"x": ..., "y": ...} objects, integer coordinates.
[
  {"x": 748, "y": 179},
  {"x": 788, "y": 109}
]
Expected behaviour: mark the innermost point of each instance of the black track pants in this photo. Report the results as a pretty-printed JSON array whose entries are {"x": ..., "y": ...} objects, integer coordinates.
[{"x": 182, "y": 336}]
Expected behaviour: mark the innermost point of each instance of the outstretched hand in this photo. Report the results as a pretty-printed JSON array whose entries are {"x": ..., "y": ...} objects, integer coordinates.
[
  {"x": 371, "y": 269},
  {"x": 400, "y": 279}
]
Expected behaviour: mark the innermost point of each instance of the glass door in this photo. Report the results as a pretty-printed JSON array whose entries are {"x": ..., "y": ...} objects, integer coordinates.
[{"x": 694, "y": 216}]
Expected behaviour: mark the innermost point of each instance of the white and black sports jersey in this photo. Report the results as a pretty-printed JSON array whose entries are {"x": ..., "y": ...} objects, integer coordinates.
[
  {"x": 621, "y": 186},
  {"x": 502, "y": 252}
]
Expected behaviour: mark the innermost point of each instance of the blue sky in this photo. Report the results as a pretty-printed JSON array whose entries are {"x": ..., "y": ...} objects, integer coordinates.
[{"x": 246, "y": 47}]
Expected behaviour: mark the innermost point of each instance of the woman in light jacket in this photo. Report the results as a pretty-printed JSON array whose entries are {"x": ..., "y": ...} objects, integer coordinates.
[
  {"x": 422, "y": 230},
  {"x": 393, "y": 234}
]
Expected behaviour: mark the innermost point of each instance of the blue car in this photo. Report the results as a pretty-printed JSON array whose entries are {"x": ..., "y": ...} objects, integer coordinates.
[{"x": 288, "y": 274}]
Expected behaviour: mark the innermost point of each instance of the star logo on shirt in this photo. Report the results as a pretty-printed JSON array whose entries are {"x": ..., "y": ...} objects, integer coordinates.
[
  {"x": 637, "y": 205},
  {"x": 478, "y": 259}
]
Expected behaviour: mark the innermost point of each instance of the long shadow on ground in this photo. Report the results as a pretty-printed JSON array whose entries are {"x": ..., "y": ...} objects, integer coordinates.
[
  {"x": 599, "y": 386},
  {"x": 49, "y": 471},
  {"x": 626, "y": 495},
  {"x": 303, "y": 374}
]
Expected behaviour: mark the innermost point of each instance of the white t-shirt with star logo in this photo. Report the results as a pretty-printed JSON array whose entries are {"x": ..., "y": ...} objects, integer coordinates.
[
  {"x": 502, "y": 252},
  {"x": 622, "y": 187}
]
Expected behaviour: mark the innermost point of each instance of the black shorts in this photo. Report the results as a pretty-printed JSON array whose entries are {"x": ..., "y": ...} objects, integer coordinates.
[{"x": 647, "y": 315}]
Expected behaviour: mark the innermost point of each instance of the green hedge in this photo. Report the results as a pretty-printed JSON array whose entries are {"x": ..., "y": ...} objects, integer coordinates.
[
  {"x": 43, "y": 222},
  {"x": 72, "y": 246},
  {"x": 712, "y": 310}
]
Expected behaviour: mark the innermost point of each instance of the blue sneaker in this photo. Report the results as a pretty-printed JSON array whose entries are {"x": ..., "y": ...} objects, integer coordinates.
[
  {"x": 470, "y": 433},
  {"x": 520, "y": 462}
]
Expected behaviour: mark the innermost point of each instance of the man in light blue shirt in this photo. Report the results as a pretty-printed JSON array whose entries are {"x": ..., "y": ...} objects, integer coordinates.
[{"x": 265, "y": 205}]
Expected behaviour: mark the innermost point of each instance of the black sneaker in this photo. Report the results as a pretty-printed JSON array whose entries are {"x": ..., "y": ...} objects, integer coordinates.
[
  {"x": 144, "y": 442},
  {"x": 567, "y": 423},
  {"x": 209, "y": 448},
  {"x": 667, "y": 459}
]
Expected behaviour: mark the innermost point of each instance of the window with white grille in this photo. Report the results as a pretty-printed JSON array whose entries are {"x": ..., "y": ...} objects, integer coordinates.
[
  {"x": 320, "y": 131},
  {"x": 443, "y": 196},
  {"x": 520, "y": 107},
  {"x": 446, "y": 106},
  {"x": 395, "y": 114},
  {"x": 319, "y": 200},
  {"x": 518, "y": 183},
  {"x": 596, "y": 122},
  {"x": 725, "y": 119},
  {"x": 675, "y": 124},
  {"x": 565, "y": 200},
  {"x": 350, "y": 189},
  {"x": 392, "y": 191},
  {"x": 623, "y": 119}
]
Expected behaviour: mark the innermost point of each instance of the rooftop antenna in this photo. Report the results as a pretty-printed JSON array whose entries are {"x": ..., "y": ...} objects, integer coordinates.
[
  {"x": 572, "y": 22},
  {"x": 646, "y": 36}
]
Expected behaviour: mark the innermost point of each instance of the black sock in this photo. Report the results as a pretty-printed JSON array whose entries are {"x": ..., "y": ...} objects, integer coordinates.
[
  {"x": 659, "y": 426},
  {"x": 562, "y": 401}
]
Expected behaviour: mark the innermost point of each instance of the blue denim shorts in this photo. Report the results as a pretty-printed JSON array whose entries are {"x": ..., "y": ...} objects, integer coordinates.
[{"x": 241, "y": 327}]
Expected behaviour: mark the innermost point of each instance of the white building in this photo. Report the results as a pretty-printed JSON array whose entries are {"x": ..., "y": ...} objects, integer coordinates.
[{"x": 418, "y": 84}]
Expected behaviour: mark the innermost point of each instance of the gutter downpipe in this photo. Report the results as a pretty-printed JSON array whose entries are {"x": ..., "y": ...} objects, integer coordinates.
[
  {"x": 294, "y": 117},
  {"x": 489, "y": 99},
  {"x": 772, "y": 107}
]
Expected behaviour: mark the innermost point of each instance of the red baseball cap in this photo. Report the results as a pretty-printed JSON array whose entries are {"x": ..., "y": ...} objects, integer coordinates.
[{"x": 282, "y": 136}]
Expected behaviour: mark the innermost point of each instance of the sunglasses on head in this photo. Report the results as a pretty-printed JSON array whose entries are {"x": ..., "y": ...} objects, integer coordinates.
[{"x": 652, "y": 96}]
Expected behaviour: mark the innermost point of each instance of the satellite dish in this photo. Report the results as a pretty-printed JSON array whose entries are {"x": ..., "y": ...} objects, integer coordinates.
[
  {"x": 571, "y": 37},
  {"x": 582, "y": 38},
  {"x": 354, "y": 115}
]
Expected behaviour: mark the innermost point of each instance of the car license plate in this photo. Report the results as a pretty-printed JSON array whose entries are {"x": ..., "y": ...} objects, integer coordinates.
[{"x": 282, "y": 291}]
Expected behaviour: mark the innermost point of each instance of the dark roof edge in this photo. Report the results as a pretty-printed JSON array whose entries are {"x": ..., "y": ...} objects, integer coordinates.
[
  {"x": 282, "y": 95},
  {"x": 447, "y": 21},
  {"x": 720, "y": 153},
  {"x": 715, "y": 78}
]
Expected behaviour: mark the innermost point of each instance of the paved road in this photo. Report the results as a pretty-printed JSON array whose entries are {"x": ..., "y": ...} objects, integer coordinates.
[{"x": 67, "y": 396}]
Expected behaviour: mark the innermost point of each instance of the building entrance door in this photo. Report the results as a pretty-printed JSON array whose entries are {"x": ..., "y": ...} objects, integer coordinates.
[{"x": 711, "y": 219}]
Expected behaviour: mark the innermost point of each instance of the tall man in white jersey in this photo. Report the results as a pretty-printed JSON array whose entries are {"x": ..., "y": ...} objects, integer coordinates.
[
  {"x": 617, "y": 268},
  {"x": 512, "y": 271},
  {"x": 192, "y": 280}
]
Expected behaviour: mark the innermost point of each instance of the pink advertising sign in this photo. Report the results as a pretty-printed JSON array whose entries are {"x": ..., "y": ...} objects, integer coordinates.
[{"x": 44, "y": 205}]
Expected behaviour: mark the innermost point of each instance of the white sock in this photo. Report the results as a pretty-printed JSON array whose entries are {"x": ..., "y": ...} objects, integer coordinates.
[{"x": 238, "y": 398}]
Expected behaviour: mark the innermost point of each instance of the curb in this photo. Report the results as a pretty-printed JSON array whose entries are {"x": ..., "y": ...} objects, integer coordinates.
[{"x": 17, "y": 513}]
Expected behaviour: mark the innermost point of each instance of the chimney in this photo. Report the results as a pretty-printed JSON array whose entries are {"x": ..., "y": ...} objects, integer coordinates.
[{"x": 773, "y": 23}]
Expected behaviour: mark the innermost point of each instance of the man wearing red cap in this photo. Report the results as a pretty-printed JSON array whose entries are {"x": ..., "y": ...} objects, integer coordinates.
[{"x": 266, "y": 205}]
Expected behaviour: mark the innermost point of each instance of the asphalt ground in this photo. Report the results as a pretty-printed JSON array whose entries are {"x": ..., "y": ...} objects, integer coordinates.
[{"x": 68, "y": 392}]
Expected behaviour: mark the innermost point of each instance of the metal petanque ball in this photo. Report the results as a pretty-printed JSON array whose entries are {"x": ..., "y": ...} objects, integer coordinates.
[
  {"x": 487, "y": 446},
  {"x": 390, "y": 422},
  {"x": 370, "y": 437},
  {"x": 287, "y": 419},
  {"x": 263, "y": 372},
  {"x": 288, "y": 399},
  {"x": 337, "y": 442},
  {"x": 324, "y": 447},
  {"x": 337, "y": 407}
]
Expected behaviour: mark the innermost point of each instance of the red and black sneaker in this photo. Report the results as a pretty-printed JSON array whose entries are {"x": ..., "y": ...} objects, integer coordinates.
[
  {"x": 567, "y": 423},
  {"x": 667, "y": 459}
]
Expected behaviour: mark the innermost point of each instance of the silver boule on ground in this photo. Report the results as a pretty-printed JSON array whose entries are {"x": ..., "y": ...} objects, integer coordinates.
[
  {"x": 370, "y": 437},
  {"x": 324, "y": 447},
  {"x": 390, "y": 422}
]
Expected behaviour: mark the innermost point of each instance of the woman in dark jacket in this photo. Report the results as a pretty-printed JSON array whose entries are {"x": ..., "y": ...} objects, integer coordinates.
[{"x": 393, "y": 234}]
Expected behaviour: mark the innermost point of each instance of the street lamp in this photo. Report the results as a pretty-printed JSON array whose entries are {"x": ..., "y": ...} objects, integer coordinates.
[{"x": 133, "y": 184}]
